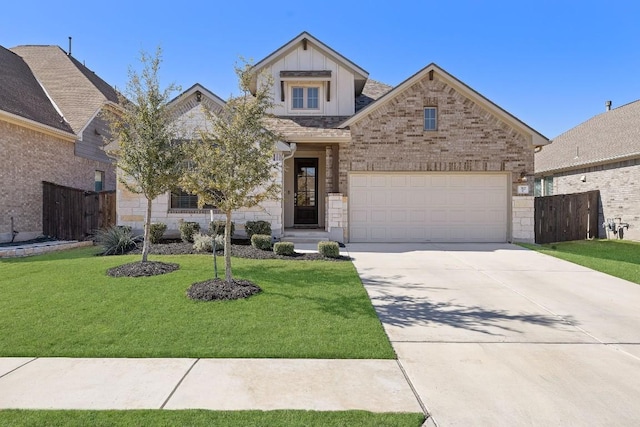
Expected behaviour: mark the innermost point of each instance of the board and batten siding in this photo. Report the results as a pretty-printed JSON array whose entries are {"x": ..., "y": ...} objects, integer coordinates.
[{"x": 342, "y": 91}]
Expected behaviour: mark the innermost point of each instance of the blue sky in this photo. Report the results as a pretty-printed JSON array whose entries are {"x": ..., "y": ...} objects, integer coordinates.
[{"x": 553, "y": 64}]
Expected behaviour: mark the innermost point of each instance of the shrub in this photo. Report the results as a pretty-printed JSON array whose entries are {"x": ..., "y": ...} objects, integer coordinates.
[
  {"x": 126, "y": 228},
  {"x": 329, "y": 249},
  {"x": 117, "y": 240},
  {"x": 257, "y": 227},
  {"x": 283, "y": 248},
  {"x": 217, "y": 227},
  {"x": 261, "y": 241},
  {"x": 187, "y": 230},
  {"x": 156, "y": 231},
  {"x": 204, "y": 242}
]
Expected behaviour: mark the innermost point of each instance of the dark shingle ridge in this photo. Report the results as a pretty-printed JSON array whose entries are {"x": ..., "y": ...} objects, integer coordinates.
[{"x": 22, "y": 95}]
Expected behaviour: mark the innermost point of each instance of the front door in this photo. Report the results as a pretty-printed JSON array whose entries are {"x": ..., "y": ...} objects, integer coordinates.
[{"x": 305, "y": 210}]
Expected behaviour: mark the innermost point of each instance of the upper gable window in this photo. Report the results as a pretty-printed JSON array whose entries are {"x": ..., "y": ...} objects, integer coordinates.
[
  {"x": 305, "y": 97},
  {"x": 431, "y": 118}
]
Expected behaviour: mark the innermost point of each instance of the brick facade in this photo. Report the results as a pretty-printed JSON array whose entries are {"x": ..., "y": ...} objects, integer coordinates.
[
  {"x": 30, "y": 157},
  {"x": 468, "y": 139},
  {"x": 619, "y": 185}
]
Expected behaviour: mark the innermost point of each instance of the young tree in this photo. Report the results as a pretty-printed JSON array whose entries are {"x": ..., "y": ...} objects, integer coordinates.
[
  {"x": 233, "y": 165},
  {"x": 149, "y": 154}
]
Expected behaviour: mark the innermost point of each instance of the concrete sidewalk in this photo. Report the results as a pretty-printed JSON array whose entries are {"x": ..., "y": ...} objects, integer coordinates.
[{"x": 215, "y": 384}]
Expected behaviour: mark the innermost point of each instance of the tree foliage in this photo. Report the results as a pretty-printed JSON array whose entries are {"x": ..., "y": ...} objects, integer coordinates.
[
  {"x": 149, "y": 154},
  {"x": 233, "y": 166}
]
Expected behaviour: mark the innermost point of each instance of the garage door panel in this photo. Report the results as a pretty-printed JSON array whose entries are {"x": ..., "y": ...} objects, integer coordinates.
[
  {"x": 399, "y": 181},
  {"x": 417, "y": 216},
  {"x": 359, "y": 216},
  {"x": 378, "y": 181},
  {"x": 399, "y": 216},
  {"x": 379, "y": 215},
  {"x": 423, "y": 207},
  {"x": 399, "y": 198},
  {"x": 458, "y": 216}
]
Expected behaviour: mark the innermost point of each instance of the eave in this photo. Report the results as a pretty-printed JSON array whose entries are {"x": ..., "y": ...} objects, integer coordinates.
[{"x": 36, "y": 126}]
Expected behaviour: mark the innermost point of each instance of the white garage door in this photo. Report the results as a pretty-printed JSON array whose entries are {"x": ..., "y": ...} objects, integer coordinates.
[{"x": 428, "y": 207}]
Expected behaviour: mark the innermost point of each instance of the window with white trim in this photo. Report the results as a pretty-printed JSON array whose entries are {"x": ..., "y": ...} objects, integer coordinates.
[
  {"x": 430, "y": 118},
  {"x": 543, "y": 186},
  {"x": 304, "y": 97}
]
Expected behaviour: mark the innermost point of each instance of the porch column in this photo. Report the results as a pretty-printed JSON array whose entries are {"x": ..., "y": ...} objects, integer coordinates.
[
  {"x": 329, "y": 169},
  {"x": 337, "y": 217}
]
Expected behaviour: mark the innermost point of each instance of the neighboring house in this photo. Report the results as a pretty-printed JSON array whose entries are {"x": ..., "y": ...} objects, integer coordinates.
[
  {"x": 603, "y": 154},
  {"x": 430, "y": 160},
  {"x": 50, "y": 130}
]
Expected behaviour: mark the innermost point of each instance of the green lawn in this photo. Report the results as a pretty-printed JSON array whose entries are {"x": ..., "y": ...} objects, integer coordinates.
[
  {"x": 620, "y": 258},
  {"x": 64, "y": 304},
  {"x": 194, "y": 418}
]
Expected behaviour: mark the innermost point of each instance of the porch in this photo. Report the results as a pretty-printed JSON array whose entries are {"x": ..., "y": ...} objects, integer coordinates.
[{"x": 313, "y": 208}]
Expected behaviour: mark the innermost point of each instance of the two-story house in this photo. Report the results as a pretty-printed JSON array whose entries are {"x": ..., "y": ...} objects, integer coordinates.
[
  {"x": 430, "y": 160},
  {"x": 50, "y": 130}
]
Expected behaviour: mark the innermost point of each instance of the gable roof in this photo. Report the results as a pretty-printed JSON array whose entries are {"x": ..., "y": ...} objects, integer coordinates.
[
  {"x": 22, "y": 95},
  {"x": 212, "y": 101},
  {"x": 77, "y": 91},
  {"x": 537, "y": 139},
  {"x": 611, "y": 136},
  {"x": 360, "y": 74}
]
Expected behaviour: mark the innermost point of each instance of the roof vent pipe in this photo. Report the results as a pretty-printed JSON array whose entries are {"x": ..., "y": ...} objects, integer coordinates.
[
  {"x": 69, "y": 52},
  {"x": 608, "y": 105}
]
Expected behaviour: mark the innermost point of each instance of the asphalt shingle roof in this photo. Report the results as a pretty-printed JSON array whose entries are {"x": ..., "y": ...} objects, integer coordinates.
[
  {"x": 75, "y": 89},
  {"x": 372, "y": 91},
  {"x": 607, "y": 137},
  {"x": 22, "y": 95}
]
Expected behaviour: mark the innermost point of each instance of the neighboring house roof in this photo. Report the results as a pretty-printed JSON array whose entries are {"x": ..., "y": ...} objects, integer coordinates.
[
  {"x": 608, "y": 137},
  {"x": 77, "y": 91},
  {"x": 537, "y": 139},
  {"x": 22, "y": 95},
  {"x": 197, "y": 87},
  {"x": 360, "y": 74},
  {"x": 323, "y": 128}
]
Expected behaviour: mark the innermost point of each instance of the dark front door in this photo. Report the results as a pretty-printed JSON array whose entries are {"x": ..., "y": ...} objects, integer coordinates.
[{"x": 305, "y": 209}]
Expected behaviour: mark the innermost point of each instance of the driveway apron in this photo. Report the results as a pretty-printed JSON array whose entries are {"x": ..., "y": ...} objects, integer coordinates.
[{"x": 498, "y": 335}]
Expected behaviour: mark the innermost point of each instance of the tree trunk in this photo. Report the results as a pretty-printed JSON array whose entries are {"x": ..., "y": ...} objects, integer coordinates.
[
  {"x": 227, "y": 248},
  {"x": 214, "y": 245},
  {"x": 147, "y": 226}
]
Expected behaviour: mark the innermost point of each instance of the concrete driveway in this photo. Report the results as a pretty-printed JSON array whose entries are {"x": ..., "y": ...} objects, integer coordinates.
[{"x": 497, "y": 335}]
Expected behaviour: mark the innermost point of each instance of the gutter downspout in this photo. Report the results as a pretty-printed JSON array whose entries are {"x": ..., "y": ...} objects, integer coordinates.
[{"x": 292, "y": 151}]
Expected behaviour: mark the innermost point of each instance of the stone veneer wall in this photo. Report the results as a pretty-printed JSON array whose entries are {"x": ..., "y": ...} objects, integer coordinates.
[
  {"x": 132, "y": 208},
  {"x": 523, "y": 223},
  {"x": 619, "y": 185},
  {"x": 28, "y": 158},
  {"x": 337, "y": 217},
  {"x": 468, "y": 139}
]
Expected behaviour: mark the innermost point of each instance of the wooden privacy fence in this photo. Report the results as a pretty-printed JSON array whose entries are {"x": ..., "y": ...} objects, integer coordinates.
[
  {"x": 566, "y": 217},
  {"x": 73, "y": 214}
]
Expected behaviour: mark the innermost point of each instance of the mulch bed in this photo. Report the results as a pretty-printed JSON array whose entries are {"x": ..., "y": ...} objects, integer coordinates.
[
  {"x": 240, "y": 251},
  {"x": 142, "y": 269},
  {"x": 218, "y": 289}
]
